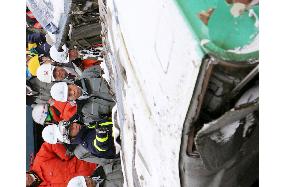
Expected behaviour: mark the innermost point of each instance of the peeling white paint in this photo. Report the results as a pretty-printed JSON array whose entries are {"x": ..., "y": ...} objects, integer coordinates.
[
  {"x": 106, "y": 75},
  {"x": 252, "y": 47},
  {"x": 237, "y": 9},
  {"x": 253, "y": 14},
  {"x": 204, "y": 42}
]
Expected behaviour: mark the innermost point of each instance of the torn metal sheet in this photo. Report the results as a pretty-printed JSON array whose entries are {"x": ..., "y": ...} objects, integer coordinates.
[{"x": 218, "y": 141}]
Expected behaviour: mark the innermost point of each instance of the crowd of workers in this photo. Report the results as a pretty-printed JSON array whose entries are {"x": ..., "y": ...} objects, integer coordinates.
[{"x": 76, "y": 106}]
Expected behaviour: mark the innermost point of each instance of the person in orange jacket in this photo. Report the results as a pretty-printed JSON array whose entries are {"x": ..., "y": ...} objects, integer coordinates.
[
  {"x": 54, "y": 112},
  {"x": 52, "y": 167}
]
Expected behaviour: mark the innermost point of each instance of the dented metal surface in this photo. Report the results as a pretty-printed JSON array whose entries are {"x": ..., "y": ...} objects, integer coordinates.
[
  {"x": 159, "y": 102},
  {"x": 214, "y": 146}
]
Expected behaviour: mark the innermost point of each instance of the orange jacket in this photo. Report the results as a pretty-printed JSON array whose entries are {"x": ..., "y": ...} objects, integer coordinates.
[
  {"x": 55, "y": 168},
  {"x": 89, "y": 63},
  {"x": 62, "y": 110}
]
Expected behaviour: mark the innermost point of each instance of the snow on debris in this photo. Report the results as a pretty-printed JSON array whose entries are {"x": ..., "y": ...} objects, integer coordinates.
[{"x": 225, "y": 133}]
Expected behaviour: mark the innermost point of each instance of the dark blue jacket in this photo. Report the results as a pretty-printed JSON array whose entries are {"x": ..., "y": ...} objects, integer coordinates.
[
  {"x": 43, "y": 48},
  {"x": 35, "y": 37},
  {"x": 98, "y": 140}
]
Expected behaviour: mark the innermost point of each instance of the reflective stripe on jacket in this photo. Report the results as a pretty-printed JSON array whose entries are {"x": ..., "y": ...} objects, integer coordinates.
[{"x": 97, "y": 139}]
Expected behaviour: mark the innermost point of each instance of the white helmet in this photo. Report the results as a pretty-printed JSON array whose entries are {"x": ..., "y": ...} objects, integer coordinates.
[
  {"x": 64, "y": 132},
  {"x": 45, "y": 73},
  {"x": 59, "y": 91},
  {"x": 61, "y": 57},
  {"x": 51, "y": 134},
  {"x": 78, "y": 181},
  {"x": 39, "y": 113}
]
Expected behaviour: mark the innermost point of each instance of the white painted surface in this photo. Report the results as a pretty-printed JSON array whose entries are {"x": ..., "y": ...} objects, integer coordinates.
[
  {"x": 58, "y": 9},
  {"x": 161, "y": 59}
]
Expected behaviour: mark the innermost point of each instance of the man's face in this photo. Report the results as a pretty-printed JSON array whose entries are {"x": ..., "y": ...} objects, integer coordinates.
[
  {"x": 73, "y": 54},
  {"x": 90, "y": 182},
  {"x": 74, "y": 92},
  {"x": 74, "y": 129},
  {"x": 59, "y": 73},
  {"x": 29, "y": 179}
]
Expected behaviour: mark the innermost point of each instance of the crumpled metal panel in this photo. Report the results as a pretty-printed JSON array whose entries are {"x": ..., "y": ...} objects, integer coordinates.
[{"x": 220, "y": 140}]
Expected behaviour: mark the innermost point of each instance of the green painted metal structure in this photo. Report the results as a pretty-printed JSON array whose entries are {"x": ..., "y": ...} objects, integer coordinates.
[{"x": 223, "y": 32}]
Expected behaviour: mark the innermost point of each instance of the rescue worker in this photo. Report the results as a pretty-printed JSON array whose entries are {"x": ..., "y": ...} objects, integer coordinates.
[
  {"x": 54, "y": 133},
  {"x": 92, "y": 107},
  {"x": 83, "y": 154},
  {"x": 49, "y": 73},
  {"x": 104, "y": 176},
  {"x": 37, "y": 41},
  {"x": 67, "y": 92},
  {"x": 53, "y": 167},
  {"x": 97, "y": 138},
  {"x": 54, "y": 111},
  {"x": 87, "y": 68},
  {"x": 81, "y": 90},
  {"x": 67, "y": 56}
]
